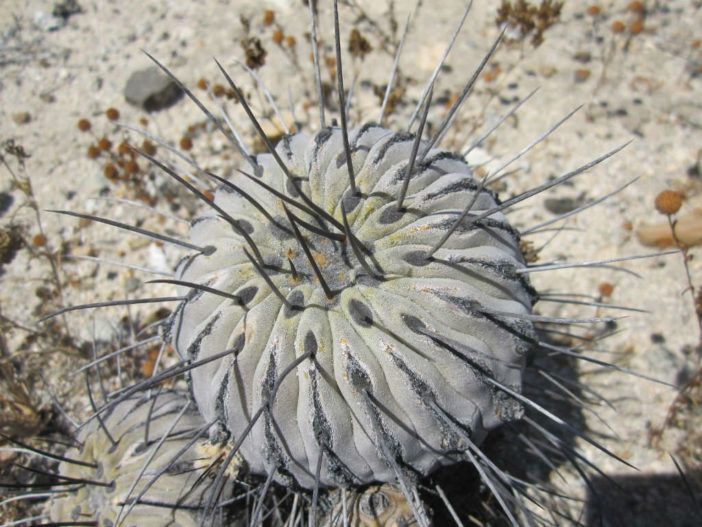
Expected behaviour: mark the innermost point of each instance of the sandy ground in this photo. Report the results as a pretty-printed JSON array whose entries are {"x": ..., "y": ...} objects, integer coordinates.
[{"x": 645, "y": 88}]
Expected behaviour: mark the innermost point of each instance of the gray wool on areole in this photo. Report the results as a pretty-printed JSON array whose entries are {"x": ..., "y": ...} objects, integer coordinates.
[{"x": 398, "y": 366}]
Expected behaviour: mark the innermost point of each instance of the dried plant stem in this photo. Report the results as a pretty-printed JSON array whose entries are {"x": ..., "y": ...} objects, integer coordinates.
[
  {"x": 690, "y": 286},
  {"x": 682, "y": 398},
  {"x": 25, "y": 185}
]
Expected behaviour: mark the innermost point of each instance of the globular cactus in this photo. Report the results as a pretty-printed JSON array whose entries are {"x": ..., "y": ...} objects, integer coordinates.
[
  {"x": 356, "y": 342},
  {"x": 143, "y": 463}
]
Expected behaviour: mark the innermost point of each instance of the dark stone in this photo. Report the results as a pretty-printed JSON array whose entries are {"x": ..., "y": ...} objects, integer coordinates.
[
  {"x": 657, "y": 338},
  {"x": 151, "y": 89},
  {"x": 11, "y": 241},
  {"x": 563, "y": 205},
  {"x": 66, "y": 8},
  {"x": 6, "y": 201}
]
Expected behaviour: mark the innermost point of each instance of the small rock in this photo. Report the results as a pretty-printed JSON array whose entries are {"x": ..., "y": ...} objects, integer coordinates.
[
  {"x": 581, "y": 75},
  {"x": 151, "y": 90},
  {"x": 548, "y": 70},
  {"x": 132, "y": 284},
  {"x": 582, "y": 56},
  {"x": 47, "y": 22},
  {"x": 10, "y": 242},
  {"x": 563, "y": 205},
  {"x": 21, "y": 117},
  {"x": 695, "y": 169},
  {"x": 670, "y": 365},
  {"x": 6, "y": 201},
  {"x": 66, "y": 8}
]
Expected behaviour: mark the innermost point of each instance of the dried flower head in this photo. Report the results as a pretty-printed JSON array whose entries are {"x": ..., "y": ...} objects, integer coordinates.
[{"x": 668, "y": 202}]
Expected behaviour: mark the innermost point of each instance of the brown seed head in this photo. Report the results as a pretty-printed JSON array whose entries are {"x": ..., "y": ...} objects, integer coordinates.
[
  {"x": 605, "y": 289},
  {"x": 104, "y": 144},
  {"x": 618, "y": 26},
  {"x": 123, "y": 148},
  {"x": 278, "y": 36},
  {"x": 636, "y": 27},
  {"x": 131, "y": 167},
  {"x": 110, "y": 171},
  {"x": 593, "y": 10},
  {"x": 636, "y": 7},
  {"x": 112, "y": 114},
  {"x": 39, "y": 240},
  {"x": 668, "y": 202},
  {"x": 186, "y": 143},
  {"x": 83, "y": 125},
  {"x": 93, "y": 152},
  {"x": 268, "y": 17},
  {"x": 148, "y": 147},
  {"x": 218, "y": 90}
]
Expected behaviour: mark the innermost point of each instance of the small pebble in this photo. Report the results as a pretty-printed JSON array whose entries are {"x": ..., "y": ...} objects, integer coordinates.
[
  {"x": 583, "y": 56},
  {"x": 547, "y": 70},
  {"x": 46, "y": 22},
  {"x": 6, "y": 201},
  {"x": 563, "y": 205},
  {"x": 132, "y": 284},
  {"x": 21, "y": 117},
  {"x": 151, "y": 90},
  {"x": 581, "y": 75}
]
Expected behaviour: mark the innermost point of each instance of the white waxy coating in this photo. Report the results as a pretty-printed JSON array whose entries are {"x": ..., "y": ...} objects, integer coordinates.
[{"x": 391, "y": 354}]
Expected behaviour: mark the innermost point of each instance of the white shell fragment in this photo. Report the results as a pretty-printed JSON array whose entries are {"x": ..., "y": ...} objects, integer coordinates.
[{"x": 405, "y": 357}]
